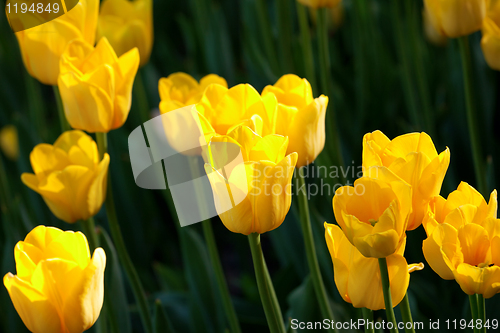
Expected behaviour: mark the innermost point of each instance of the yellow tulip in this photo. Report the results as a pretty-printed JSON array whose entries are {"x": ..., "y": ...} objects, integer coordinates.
[
  {"x": 413, "y": 158},
  {"x": 490, "y": 42},
  {"x": 42, "y": 46},
  {"x": 9, "y": 142},
  {"x": 456, "y": 18},
  {"x": 253, "y": 196},
  {"x": 300, "y": 117},
  {"x": 127, "y": 24},
  {"x": 374, "y": 213},
  {"x": 320, "y": 3},
  {"x": 58, "y": 288},
  {"x": 181, "y": 89},
  {"x": 358, "y": 278},
  {"x": 96, "y": 85},
  {"x": 463, "y": 240},
  {"x": 433, "y": 35},
  {"x": 69, "y": 176}
]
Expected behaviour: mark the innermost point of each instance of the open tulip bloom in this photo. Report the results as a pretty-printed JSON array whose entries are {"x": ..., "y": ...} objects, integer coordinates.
[{"x": 59, "y": 287}]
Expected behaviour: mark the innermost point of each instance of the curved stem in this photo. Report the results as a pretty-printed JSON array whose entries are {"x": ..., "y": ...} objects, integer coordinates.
[
  {"x": 266, "y": 289},
  {"x": 306, "y": 45},
  {"x": 386, "y": 288},
  {"x": 60, "y": 110},
  {"x": 121, "y": 249},
  {"x": 474, "y": 310},
  {"x": 404, "y": 306},
  {"x": 368, "y": 317},
  {"x": 91, "y": 233},
  {"x": 312, "y": 260},
  {"x": 471, "y": 114}
]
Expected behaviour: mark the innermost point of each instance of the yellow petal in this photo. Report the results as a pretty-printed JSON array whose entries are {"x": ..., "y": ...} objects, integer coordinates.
[
  {"x": 271, "y": 148},
  {"x": 475, "y": 280},
  {"x": 9, "y": 142},
  {"x": 212, "y": 79},
  {"x": 474, "y": 243},
  {"x": 442, "y": 251}
]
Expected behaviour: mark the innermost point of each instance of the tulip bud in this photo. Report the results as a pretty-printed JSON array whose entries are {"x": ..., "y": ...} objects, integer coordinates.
[
  {"x": 69, "y": 176},
  {"x": 58, "y": 286},
  {"x": 9, "y": 142},
  {"x": 42, "y": 46},
  {"x": 320, "y": 3},
  {"x": 127, "y": 24},
  {"x": 96, "y": 85}
]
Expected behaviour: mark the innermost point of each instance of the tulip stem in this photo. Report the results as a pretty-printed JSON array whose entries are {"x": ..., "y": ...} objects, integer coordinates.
[
  {"x": 90, "y": 231},
  {"x": 404, "y": 306},
  {"x": 474, "y": 310},
  {"x": 36, "y": 106},
  {"x": 121, "y": 249},
  {"x": 471, "y": 114},
  {"x": 283, "y": 11},
  {"x": 312, "y": 259},
  {"x": 267, "y": 34},
  {"x": 265, "y": 285},
  {"x": 60, "y": 110},
  {"x": 325, "y": 70},
  {"x": 481, "y": 314},
  {"x": 306, "y": 45},
  {"x": 141, "y": 97},
  {"x": 386, "y": 288},
  {"x": 368, "y": 317}
]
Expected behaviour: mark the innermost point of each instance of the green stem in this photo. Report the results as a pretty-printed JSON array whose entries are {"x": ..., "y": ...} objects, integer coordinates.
[
  {"x": 121, "y": 249},
  {"x": 386, "y": 288},
  {"x": 60, "y": 110},
  {"x": 266, "y": 34},
  {"x": 266, "y": 289},
  {"x": 285, "y": 32},
  {"x": 471, "y": 113},
  {"x": 404, "y": 306},
  {"x": 368, "y": 317},
  {"x": 306, "y": 45},
  {"x": 474, "y": 310},
  {"x": 35, "y": 105},
  {"x": 141, "y": 97},
  {"x": 481, "y": 313},
  {"x": 91, "y": 233},
  {"x": 312, "y": 260},
  {"x": 411, "y": 99},
  {"x": 326, "y": 87}
]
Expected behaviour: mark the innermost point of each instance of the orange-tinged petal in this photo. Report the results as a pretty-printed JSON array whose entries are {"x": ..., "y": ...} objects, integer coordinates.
[
  {"x": 475, "y": 280},
  {"x": 474, "y": 243}
]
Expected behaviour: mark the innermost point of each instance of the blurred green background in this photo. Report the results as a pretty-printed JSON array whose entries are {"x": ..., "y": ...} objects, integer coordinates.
[{"x": 385, "y": 75}]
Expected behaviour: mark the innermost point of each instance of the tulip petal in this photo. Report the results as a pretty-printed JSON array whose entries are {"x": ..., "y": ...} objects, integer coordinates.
[
  {"x": 475, "y": 280},
  {"x": 442, "y": 251},
  {"x": 474, "y": 243}
]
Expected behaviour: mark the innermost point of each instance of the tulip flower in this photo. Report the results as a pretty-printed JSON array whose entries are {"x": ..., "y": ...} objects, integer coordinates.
[
  {"x": 320, "y": 3},
  {"x": 463, "y": 240},
  {"x": 127, "y": 24},
  {"x": 413, "y": 158},
  {"x": 9, "y": 142},
  {"x": 300, "y": 117},
  {"x": 96, "y": 86},
  {"x": 253, "y": 196},
  {"x": 490, "y": 42},
  {"x": 374, "y": 213},
  {"x": 42, "y": 46},
  {"x": 358, "y": 278},
  {"x": 433, "y": 35},
  {"x": 58, "y": 287},
  {"x": 69, "y": 176},
  {"x": 181, "y": 89},
  {"x": 456, "y": 18}
]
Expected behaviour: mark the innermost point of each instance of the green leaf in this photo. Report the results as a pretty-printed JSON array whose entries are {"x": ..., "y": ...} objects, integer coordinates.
[{"x": 161, "y": 322}]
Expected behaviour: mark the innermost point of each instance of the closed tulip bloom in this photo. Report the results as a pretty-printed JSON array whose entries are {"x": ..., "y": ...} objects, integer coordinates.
[
  {"x": 127, "y": 24},
  {"x": 413, "y": 158},
  {"x": 320, "y": 3},
  {"x": 69, "y": 176},
  {"x": 490, "y": 42},
  {"x": 96, "y": 85},
  {"x": 42, "y": 46},
  {"x": 181, "y": 89},
  {"x": 301, "y": 117},
  {"x": 358, "y": 278},
  {"x": 463, "y": 240},
  {"x": 58, "y": 288},
  {"x": 374, "y": 213},
  {"x": 456, "y": 18},
  {"x": 255, "y": 195},
  {"x": 9, "y": 142}
]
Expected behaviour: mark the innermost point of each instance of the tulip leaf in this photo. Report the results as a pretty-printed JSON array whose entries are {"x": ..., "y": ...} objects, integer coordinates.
[
  {"x": 114, "y": 291},
  {"x": 162, "y": 323}
]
